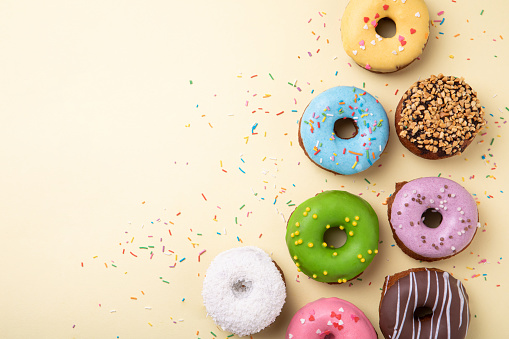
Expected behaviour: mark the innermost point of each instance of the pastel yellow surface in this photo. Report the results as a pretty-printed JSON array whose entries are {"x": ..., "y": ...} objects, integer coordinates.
[
  {"x": 106, "y": 147},
  {"x": 385, "y": 54}
]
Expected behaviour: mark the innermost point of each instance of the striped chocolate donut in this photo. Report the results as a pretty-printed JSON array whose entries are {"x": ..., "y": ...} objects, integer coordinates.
[{"x": 423, "y": 303}]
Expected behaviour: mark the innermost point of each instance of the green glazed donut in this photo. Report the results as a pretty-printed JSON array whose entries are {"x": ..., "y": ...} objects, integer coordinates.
[{"x": 310, "y": 220}]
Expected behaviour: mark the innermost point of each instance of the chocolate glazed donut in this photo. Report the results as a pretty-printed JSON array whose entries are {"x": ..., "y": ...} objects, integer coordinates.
[{"x": 424, "y": 303}]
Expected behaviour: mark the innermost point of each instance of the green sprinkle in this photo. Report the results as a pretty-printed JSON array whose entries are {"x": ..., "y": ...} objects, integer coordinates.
[
  {"x": 113, "y": 265},
  {"x": 235, "y": 219},
  {"x": 359, "y": 279},
  {"x": 363, "y": 85},
  {"x": 289, "y": 83},
  {"x": 198, "y": 234},
  {"x": 213, "y": 334},
  {"x": 367, "y": 181},
  {"x": 143, "y": 248},
  {"x": 493, "y": 139},
  {"x": 271, "y": 76},
  {"x": 241, "y": 207},
  {"x": 164, "y": 281},
  {"x": 291, "y": 205},
  {"x": 151, "y": 247},
  {"x": 482, "y": 11},
  {"x": 231, "y": 335},
  {"x": 439, "y": 174},
  {"x": 190, "y": 82}
]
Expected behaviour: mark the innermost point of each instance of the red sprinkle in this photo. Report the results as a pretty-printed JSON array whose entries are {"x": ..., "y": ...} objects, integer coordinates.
[{"x": 386, "y": 7}]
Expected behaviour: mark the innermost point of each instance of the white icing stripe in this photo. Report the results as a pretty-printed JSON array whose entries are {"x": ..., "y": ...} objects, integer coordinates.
[
  {"x": 427, "y": 292},
  {"x": 419, "y": 329},
  {"x": 446, "y": 281},
  {"x": 397, "y": 315},
  {"x": 462, "y": 301},
  {"x": 434, "y": 307},
  {"x": 415, "y": 305},
  {"x": 448, "y": 314},
  {"x": 386, "y": 284},
  {"x": 407, "y": 302}
]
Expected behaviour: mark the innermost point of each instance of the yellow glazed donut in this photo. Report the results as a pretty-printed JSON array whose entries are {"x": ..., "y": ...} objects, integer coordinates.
[{"x": 374, "y": 52}]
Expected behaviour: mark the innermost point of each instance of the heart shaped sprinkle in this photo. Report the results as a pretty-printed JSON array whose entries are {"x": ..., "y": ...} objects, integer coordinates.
[
  {"x": 341, "y": 322},
  {"x": 394, "y": 52},
  {"x": 329, "y": 323},
  {"x": 311, "y": 318},
  {"x": 418, "y": 14},
  {"x": 318, "y": 331},
  {"x": 378, "y": 37},
  {"x": 355, "y": 318},
  {"x": 341, "y": 310},
  {"x": 373, "y": 42},
  {"x": 366, "y": 19},
  {"x": 302, "y": 321},
  {"x": 368, "y": 66},
  {"x": 401, "y": 48},
  {"x": 361, "y": 42},
  {"x": 366, "y": 26},
  {"x": 386, "y": 7},
  {"x": 401, "y": 38},
  {"x": 403, "y": 43},
  {"x": 354, "y": 52},
  {"x": 412, "y": 31},
  {"x": 377, "y": 16},
  {"x": 374, "y": 23},
  {"x": 363, "y": 47}
]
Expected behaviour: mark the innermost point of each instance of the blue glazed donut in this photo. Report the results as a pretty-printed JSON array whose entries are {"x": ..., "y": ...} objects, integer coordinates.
[{"x": 344, "y": 155}]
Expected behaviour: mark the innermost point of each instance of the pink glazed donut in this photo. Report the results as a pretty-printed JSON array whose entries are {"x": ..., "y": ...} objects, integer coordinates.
[
  {"x": 457, "y": 210},
  {"x": 328, "y": 318}
]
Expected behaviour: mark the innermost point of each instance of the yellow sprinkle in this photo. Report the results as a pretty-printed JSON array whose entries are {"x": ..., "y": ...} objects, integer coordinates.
[
  {"x": 308, "y": 209},
  {"x": 324, "y": 244},
  {"x": 305, "y": 214},
  {"x": 297, "y": 224},
  {"x": 344, "y": 280},
  {"x": 292, "y": 235},
  {"x": 347, "y": 219},
  {"x": 356, "y": 217},
  {"x": 350, "y": 233},
  {"x": 300, "y": 241},
  {"x": 314, "y": 276},
  {"x": 376, "y": 251},
  {"x": 296, "y": 242},
  {"x": 451, "y": 56},
  {"x": 341, "y": 227},
  {"x": 295, "y": 257},
  {"x": 324, "y": 272},
  {"x": 297, "y": 264},
  {"x": 299, "y": 270},
  {"x": 363, "y": 260},
  {"x": 315, "y": 216},
  {"x": 359, "y": 256},
  {"x": 310, "y": 244},
  {"x": 370, "y": 251},
  {"x": 354, "y": 223},
  {"x": 150, "y": 324},
  {"x": 327, "y": 227},
  {"x": 297, "y": 232},
  {"x": 335, "y": 253}
]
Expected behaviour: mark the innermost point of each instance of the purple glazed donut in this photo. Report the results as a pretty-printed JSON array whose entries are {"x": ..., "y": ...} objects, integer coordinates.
[{"x": 456, "y": 208}]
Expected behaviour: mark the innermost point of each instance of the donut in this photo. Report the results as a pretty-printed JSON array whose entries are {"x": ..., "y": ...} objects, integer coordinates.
[
  {"x": 243, "y": 290},
  {"x": 438, "y": 117},
  {"x": 423, "y": 303},
  {"x": 317, "y": 130},
  {"x": 308, "y": 224},
  {"x": 408, "y": 206},
  {"x": 361, "y": 39},
  {"x": 329, "y": 318}
]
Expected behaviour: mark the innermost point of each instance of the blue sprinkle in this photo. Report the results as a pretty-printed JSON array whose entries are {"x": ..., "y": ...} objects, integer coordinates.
[
  {"x": 182, "y": 259},
  {"x": 242, "y": 170}
]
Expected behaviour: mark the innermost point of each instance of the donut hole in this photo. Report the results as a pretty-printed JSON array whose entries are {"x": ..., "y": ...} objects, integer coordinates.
[
  {"x": 345, "y": 128},
  {"x": 423, "y": 312},
  {"x": 242, "y": 288},
  {"x": 386, "y": 28},
  {"x": 334, "y": 237},
  {"x": 431, "y": 218}
]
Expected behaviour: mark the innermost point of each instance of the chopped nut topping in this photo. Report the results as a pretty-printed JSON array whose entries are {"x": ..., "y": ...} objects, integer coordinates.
[{"x": 440, "y": 114}]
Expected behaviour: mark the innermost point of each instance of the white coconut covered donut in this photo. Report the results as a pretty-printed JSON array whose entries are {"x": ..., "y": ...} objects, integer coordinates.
[{"x": 243, "y": 290}]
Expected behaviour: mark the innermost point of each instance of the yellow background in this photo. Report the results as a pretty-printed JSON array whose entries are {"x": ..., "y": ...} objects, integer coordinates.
[{"x": 107, "y": 146}]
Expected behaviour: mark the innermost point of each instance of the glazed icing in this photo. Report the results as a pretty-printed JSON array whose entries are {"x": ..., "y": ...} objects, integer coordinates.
[
  {"x": 344, "y": 156},
  {"x": 330, "y": 316},
  {"x": 435, "y": 289},
  {"x": 243, "y": 290},
  {"x": 373, "y": 52},
  {"x": 310, "y": 220},
  {"x": 455, "y": 204}
]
